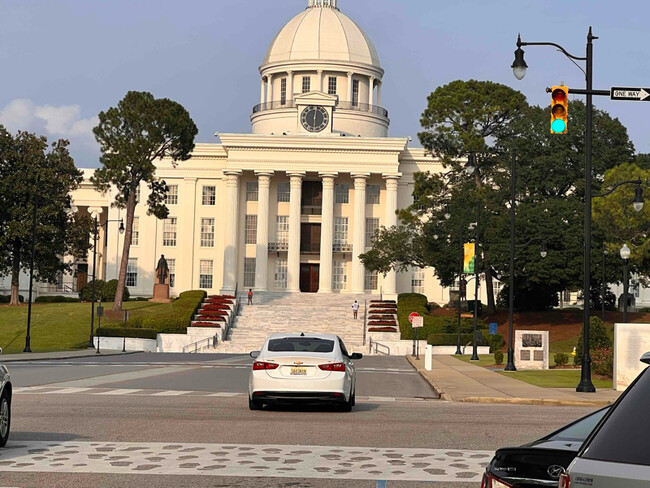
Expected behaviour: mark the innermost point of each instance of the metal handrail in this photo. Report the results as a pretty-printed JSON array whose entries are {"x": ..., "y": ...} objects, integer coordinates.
[
  {"x": 275, "y": 105},
  {"x": 342, "y": 247},
  {"x": 377, "y": 346},
  {"x": 210, "y": 343},
  {"x": 278, "y": 246},
  {"x": 356, "y": 106}
]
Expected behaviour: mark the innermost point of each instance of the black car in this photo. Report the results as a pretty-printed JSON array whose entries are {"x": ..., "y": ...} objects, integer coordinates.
[{"x": 541, "y": 462}]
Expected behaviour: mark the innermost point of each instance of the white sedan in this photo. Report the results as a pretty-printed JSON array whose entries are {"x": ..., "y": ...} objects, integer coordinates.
[{"x": 311, "y": 368}]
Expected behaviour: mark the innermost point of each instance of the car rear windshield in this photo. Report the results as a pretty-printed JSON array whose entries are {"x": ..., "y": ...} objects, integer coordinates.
[
  {"x": 581, "y": 429},
  {"x": 301, "y": 344},
  {"x": 623, "y": 438}
]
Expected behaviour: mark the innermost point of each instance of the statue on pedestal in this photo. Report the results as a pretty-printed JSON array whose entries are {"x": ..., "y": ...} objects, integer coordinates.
[{"x": 161, "y": 287}]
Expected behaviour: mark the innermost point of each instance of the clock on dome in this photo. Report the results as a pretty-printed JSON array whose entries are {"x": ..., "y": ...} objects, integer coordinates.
[{"x": 314, "y": 118}]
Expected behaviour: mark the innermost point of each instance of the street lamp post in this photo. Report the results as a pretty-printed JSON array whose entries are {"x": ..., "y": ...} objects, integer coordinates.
[
  {"x": 510, "y": 365},
  {"x": 625, "y": 256},
  {"x": 460, "y": 286},
  {"x": 31, "y": 275},
  {"x": 476, "y": 261},
  {"x": 602, "y": 287},
  {"x": 91, "y": 342}
]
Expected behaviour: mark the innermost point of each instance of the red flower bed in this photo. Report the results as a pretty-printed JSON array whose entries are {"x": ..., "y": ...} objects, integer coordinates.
[
  {"x": 215, "y": 318},
  {"x": 222, "y": 296},
  {"x": 383, "y": 305},
  {"x": 382, "y": 301},
  {"x": 222, "y": 301},
  {"x": 205, "y": 324},
  {"x": 382, "y": 322},
  {"x": 392, "y": 312},
  {"x": 211, "y": 307},
  {"x": 382, "y": 329},
  {"x": 381, "y": 317},
  {"x": 213, "y": 312}
]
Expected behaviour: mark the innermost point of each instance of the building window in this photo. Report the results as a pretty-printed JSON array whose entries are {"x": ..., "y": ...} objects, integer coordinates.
[
  {"x": 137, "y": 195},
  {"x": 205, "y": 273},
  {"x": 283, "y": 91},
  {"x": 417, "y": 281},
  {"x": 171, "y": 263},
  {"x": 251, "y": 229},
  {"x": 169, "y": 232},
  {"x": 340, "y": 230},
  {"x": 331, "y": 86},
  {"x": 251, "y": 191},
  {"x": 282, "y": 229},
  {"x": 209, "y": 195},
  {"x": 281, "y": 273},
  {"x": 284, "y": 191},
  {"x": 207, "y": 232},
  {"x": 637, "y": 290},
  {"x": 306, "y": 84},
  {"x": 135, "y": 232},
  {"x": 339, "y": 277},
  {"x": 132, "y": 272},
  {"x": 355, "y": 93},
  {"x": 171, "y": 198},
  {"x": 249, "y": 272},
  {"x": 372, "y": 195},
  {"x": 371, "y": 280},
  {"x": 342, "y": 193},
  {"x": 372, "y": 225}
]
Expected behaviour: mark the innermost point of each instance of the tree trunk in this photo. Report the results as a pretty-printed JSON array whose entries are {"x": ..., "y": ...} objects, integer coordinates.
[
  {"x": 489, "y": 290},
  {"x": 128, "y": 232},
  {"x": 15, "y": 276}
]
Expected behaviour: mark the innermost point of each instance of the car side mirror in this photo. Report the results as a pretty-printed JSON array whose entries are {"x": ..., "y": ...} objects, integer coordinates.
[
  {"x": 255, "y": 354},
  {"x": 356, "y": 355}
]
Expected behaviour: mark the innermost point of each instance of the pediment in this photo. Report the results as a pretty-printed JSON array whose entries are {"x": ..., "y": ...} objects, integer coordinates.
[{"x": 316, "y": 98}]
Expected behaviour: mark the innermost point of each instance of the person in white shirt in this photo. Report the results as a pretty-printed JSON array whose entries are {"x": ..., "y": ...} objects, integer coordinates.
[{"x": 355, "y": 308}]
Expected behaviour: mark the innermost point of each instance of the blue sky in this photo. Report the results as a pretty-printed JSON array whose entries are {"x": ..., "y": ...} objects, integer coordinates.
[{"x": 63, "y": 61}]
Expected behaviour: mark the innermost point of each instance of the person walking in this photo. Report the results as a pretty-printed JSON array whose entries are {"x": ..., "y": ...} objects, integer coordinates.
[
  {"x": 250, "y": 296},
  {"x": 355, "y": 309}
]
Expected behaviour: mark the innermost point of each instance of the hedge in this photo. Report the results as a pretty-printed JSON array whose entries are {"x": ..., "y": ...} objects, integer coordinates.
[
  {"x": 175, "y": 322},
  {"x": 408, "y": 303},
  {"x": 7, "y": 298},
  {"x": 56, "y": 299},
  {"x": 126, "y": 332}
]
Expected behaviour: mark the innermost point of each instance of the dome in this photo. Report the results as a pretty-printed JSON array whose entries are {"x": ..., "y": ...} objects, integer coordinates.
[{"x": 322, "y": 33}]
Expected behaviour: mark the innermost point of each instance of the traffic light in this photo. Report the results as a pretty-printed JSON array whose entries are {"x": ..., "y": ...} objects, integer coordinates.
[{"x": 559, "y": 109}]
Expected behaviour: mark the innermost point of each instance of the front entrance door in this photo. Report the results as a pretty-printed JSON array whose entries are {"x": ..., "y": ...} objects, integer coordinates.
[{"x": 309, "y": 274}]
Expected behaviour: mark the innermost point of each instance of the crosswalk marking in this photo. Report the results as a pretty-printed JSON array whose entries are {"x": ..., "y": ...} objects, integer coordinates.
[
  {"x": 171, "y": 393},
  {"x": 113, "y": 392},
  {"x": 276, "y": 461}
]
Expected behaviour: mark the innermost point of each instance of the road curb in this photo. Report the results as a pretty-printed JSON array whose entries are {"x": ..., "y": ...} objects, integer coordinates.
[
  {"x": 9, "y": 359},
  {"x": 432, "y": 384},
  {"x": 538, "y": 401}
]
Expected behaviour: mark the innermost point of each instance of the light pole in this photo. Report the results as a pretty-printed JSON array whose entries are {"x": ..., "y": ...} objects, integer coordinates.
[
  {"x": 460, "y": 287},
  {"x": 470, "y": 169},
  {"x": 625, "y": 256},
  {"x": 92, "y": 299},
  {"x": 31, "y": 273},
  {"x": 602, "y": 287}
]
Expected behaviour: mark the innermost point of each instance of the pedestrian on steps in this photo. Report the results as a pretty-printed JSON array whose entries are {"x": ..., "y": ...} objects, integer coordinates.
[
  {"x": 355, "y": 309},
  {"x": 250, "y": 296}
]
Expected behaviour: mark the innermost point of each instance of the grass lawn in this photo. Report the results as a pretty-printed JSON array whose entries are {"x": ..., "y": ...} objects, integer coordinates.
[
  {"x": 556, "y": 378},
  {"x": 58, "y": 326}
]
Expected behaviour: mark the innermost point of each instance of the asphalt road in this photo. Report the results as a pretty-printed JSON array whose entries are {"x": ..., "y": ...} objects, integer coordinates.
[{"x": 184, "y": 421}]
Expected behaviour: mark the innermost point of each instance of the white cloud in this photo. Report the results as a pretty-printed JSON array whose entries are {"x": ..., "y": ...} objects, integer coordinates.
[{"x": 63, "y": 121}]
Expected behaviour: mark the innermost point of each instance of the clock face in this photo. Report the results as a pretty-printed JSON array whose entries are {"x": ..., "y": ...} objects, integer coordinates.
[{"x": 314, "y": 118}]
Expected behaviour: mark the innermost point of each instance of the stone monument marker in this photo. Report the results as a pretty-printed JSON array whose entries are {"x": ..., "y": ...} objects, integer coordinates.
[
  {"x": 631, "y": 341},
  {"x": 531, "y": 349},
  {"x": 161, "y": 285}
]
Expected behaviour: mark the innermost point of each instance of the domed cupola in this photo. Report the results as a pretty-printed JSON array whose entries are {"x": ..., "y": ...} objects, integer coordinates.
[{"x": 321, "y": 60}]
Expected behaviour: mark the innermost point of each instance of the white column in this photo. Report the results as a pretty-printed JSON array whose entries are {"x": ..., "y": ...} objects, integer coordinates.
[
  {"x": 262, "y": 87},
  {"x": 320, "y": 79},
  {"x": 230, "y": 232},
  {"x": 379, "y": 93},
  {"x": 269, "y": 94},
  {"x": 290, "y": 86},
  {"x": 390, "y": 280},
  {"x": 371, "y": 91},
  {"x": 262, "y": 246},
  {"x": 327, "y": 233},
  {"x": 293, "y": 255},
  {"x": 350, "y": 87},
  {"x": 359, "y": 234}
]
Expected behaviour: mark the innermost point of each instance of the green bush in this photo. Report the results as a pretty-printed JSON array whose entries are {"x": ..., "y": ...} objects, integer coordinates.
[
  {"x": 174, "y": 322},
  {"x": 7, "y": 298},
  {"x": 498, "y": 358},
  {"x": 86, "y": 292},
  {"x": 598, "y": 339},
  {"x": 110, "y": 288},
  {"x": 495, "y": 341},
  {"x": 126, "y": 332},
  {"x": 561, "y": 358},
  {"x": 603, "y": 361},
  {"x": 56, "y": 299},
  {"x": 452, "y": 339}
]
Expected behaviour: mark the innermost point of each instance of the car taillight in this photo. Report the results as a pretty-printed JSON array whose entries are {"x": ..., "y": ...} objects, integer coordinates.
[
  {"x": 565, "y": 481},
  {"x": 332, "y": 367},
  {"x": 262, "y": 365},
  {"x": 491, "y": 482}
]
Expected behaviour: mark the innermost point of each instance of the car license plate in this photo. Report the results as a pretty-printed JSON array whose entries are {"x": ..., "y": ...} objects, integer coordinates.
[{"x": 299, "y": 371}]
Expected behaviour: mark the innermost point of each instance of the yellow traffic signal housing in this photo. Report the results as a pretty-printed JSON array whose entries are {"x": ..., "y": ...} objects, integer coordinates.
[{"x": 559, "y": 109}]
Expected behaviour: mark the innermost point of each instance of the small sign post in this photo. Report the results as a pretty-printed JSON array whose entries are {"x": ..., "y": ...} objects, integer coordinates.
[{"x": 417, "y": 321}]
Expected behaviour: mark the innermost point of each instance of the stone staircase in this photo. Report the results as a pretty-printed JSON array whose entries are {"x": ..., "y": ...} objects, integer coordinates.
[{"x": 294, "y": 313}]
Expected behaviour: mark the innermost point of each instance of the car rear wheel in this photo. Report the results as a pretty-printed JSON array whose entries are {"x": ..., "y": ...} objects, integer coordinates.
[
  {"x": 347, "y": 406},
  {"x": 253, "y": 405},
  {"x": 5, "y": 418}
]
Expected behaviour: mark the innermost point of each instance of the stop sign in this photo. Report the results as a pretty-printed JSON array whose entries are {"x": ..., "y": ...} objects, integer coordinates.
[{"x": 412, "y": 316}]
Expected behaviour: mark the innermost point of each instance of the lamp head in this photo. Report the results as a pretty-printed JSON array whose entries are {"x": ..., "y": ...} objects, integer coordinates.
[
  {"x": 470, "y": 166},
  {"x": 447, "y": 214},
  {"x": 625, "y": 252},
  {"x": 121, "y": 229},
  {"x": 638, "y": 201},
  {"x": 543, "y": 252},
  {"x": 519, "y": 64}
]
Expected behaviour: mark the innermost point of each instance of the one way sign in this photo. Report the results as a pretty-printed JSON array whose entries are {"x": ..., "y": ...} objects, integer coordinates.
[{"x": 633, "y": 94}]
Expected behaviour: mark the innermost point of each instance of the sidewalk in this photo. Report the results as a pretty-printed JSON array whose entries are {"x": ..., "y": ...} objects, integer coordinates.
[
  {"x": 44, "y": 356},
  {"x": 458, "y": 381}
]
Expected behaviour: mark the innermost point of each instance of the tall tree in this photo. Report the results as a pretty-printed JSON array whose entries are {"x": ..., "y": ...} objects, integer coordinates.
[
  {"x": 37, "y": 182},
  {"x": 139, "y": 131}
]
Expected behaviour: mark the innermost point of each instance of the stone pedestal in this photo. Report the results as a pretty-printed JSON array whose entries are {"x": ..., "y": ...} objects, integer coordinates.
[
  {"x": 531, "y": 349},
  {"x": 631, "y": 341},
  {"x": 160, "y": 294}
]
